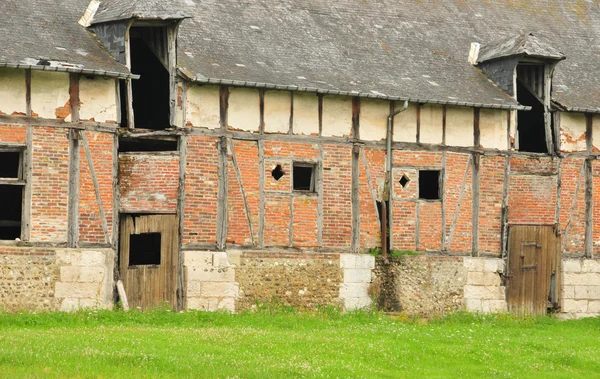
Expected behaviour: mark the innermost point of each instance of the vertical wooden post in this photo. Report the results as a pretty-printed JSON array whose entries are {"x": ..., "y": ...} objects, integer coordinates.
[
  {"x": 475, "y": 184},
  {"x": 74, "y": 170},
  {"x": 589, "y": 189},
  {"x": 222, "y": 216}
]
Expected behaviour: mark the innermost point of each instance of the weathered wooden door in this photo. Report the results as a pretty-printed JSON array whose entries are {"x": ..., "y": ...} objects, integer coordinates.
[
  {"x": 148, "y": 259},
  {"x": 533, "y": 269}
]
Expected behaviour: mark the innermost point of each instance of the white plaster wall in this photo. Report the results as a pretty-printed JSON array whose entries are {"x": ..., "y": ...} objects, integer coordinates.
[
  {"x": 278, "y": 107},
  {"x": 179, "y": 117},
  {"x": 202, "y": 107},
  {"x": 493, "y": 129},
  {"x": 49, "y": 91},
  {"x": 98, "y": 99},
  {"x": 596, "y": 132},
  {"x": 244, "y": 109},
  {"x": 572, "y": 131},
  {"x": 405, "y": 123},
  {"x": 432, "y": 117},
  {"x": 306, "y": 114},
  {"x": 459, "y": 126},
  {"x": 12, "y": 91},
  {"x": 337, "y": 116},
  {"x": 373, "y": 119}
]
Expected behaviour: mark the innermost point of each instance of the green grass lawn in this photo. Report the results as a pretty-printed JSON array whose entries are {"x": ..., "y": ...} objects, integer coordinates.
[{"x": 287, "y": 344}]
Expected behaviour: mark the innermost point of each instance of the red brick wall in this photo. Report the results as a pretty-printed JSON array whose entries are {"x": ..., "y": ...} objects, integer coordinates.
[
  {"x": 574, "y": 241},
  {"x": 13, "y": 133},
  {"x": 337, "y": 196},
  {"x": 201, "y": 186},
  {"x": 491, "y": 177},
  {"x": 456, "y": 165},
  {"x": 148, "y": 182},
  {"x": 370, "y": 229},
  {"x": 596, "y": 192},
  {"x": 532, "y": 198},
  {"x": 50, "y": 176},
  {"x": 238, "y": 230},
  {"x": 90, "y": 224},
  {"x": 305, "y": 228},
  {"x": 430, "y": 225}
]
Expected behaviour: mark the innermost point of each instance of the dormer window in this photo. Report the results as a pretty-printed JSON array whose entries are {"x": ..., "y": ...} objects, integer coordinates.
[{"x": 523, "y": 67}]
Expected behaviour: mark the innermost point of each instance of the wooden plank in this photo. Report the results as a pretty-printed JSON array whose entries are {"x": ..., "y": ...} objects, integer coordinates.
[
  {"x": 122, "y": 295},
  {"x": 28, "y": 92},
  {"x": 476, "y": 128},
  {"x": 475, "y": 192},
  {"x": 222, "y": 195},
  {"x": 73, "y": 195},
  {"x": 355, "y": 198},
  {"x": 443, "y": 179},
  {"x": 589, "y": 209},
  {"x": 261, "y": 107},
  {"x": 418, "y": 135},
  {"x": 504, "y": 219},
  {"x": 291, "y": 129},
  {"x": 261, "y": 185},
  {"x": 90, "y": 161},
  {"x": 27, "y": 191},
  {"x": 182, "y": 147},
  {"x": 319, "y": 188},
  {"x": 370, "y": 183},
  {"x": 223, "y": 107}
]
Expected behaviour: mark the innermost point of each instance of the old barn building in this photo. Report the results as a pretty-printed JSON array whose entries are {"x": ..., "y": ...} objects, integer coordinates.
[{"x": 215, "y": 154}]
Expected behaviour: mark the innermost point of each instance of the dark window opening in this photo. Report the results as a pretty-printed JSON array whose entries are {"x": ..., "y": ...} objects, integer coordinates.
[
  {"x": 141, "y": 145},
  {"x": 531, "y": 124},
  {"x": 277, "y": 172},
  {"x": 144, "y": 249},
  {"x": 10, "y": 211},
  {"x": 151, "y": 92},
  {"x": 304, "y": 177},
  {"x": 429, "y": 184},
  {"x": 10, "y": 164},
  {"x": 404, "y": 180},
  {"x": 123, "y": 103}
]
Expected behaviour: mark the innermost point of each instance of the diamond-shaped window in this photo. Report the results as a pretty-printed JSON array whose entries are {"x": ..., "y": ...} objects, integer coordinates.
[{"x": 404, "y": 180}]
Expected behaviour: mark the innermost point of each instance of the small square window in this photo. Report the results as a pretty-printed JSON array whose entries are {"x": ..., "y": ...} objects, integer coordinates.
[
  {"x": 429, "y": 184},
  {"x": 10, "y": 166},
  {"x": 304, "y": 177},
  {"x": 11, "y": 193},
  {"x": 144, "y": 249}
]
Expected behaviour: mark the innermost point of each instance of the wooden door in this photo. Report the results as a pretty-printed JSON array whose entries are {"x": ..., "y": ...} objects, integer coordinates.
[
  {"x": 148, "y": 259},
  {"x": 533, "y": 269}
]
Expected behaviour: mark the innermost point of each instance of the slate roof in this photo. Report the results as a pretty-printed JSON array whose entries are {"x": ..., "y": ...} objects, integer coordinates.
[
  {"x": 113, "y": 10},
  {"x": 523, "y": 45},
  {"x": 398, "y": 48},
  {"x": 32, "y": 31}
]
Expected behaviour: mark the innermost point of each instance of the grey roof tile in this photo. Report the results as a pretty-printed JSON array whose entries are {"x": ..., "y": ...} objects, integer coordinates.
[
  {"x": 522, "y": 45},
  {"x": 33, "y": 31},
  {"x": 113, "y": 10}
]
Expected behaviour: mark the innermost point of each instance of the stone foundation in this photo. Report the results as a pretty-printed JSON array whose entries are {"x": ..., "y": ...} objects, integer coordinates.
[
  {"x": 580, "y": 288},
  {"x": 484, "y": 291},
  {"x": 35, "y": 279}
]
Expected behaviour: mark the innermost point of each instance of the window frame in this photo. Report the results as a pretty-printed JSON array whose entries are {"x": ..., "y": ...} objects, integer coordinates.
[
  {"x": 19, "y": 181},
  {"x": 313, "y": 178},
  {"x": 440, "y": 189}
]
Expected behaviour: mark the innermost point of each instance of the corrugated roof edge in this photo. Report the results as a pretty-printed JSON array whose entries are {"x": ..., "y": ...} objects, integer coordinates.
[
  {"x": 284, "y": 87},
  {"x": 110, "y": 74}
]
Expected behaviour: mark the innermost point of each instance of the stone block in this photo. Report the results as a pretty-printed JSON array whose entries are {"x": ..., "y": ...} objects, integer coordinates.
[
  {"x": 495, "y": 306},
  {"x": 198, "y": 258},
  {"x": 591, "y": 265},
  {"x": 581, "y": 292},
  {"x": 568, "y": 292},
  {"x": 235, "y": 257},
  {"x": 193, "y": 288},
  {"x": 365, "y": 261},
  {"x": 226, "y": 304},
  {"x": 354, "y": 290},
  {"x": 474, "y": 264},
  {"x": 582, "y": 279},
  {"x": 594, "y": 306},
  {"x": 198, "y": 303},
  {"x": 356, "y": 275},
  {"x": 210, "y": 274},
  {"x": 94, "y": 258},
  {"x": 348, "y": 260},
  {"x": 82, "y": 274},
  {"x": 483, "y": 278},
  {"x": 493, "y": 265},
  {"x": 69, "y": 305},
  {"x": 594, "y": 292},
  {"x": 354, "y": 303},
  {"x": 484, "y": 292},
  {"x": 575, "y": 306},
  {"x": 76, "y": 290},
  {"x": 473, "y": 305},
  {"x": 571, "y": 265},
  {"x": 584, "y": 315},
  {"x": 220, "y": 259},
  {"x": 90, "y": 304},
  {"x": 208, "y": 289}
]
